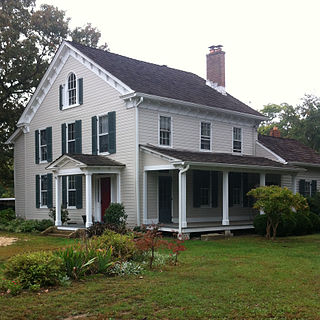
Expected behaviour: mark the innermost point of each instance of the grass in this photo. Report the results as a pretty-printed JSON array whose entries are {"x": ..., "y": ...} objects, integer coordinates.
[{"x": 243, "y": 277}]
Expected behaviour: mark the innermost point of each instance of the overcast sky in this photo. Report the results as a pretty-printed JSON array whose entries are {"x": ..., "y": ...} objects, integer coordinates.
[{"x": 272, "y": 46}]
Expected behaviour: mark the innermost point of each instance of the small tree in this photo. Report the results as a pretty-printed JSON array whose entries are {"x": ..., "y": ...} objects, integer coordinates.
[
  {"x": 116, "y": 215},
  {"x": 176, "y": 247},
  {"x": 275, "y": 201}
]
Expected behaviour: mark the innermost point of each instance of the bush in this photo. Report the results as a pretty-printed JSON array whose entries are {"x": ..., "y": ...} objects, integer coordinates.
[
  {"x": 12, "y": 287},
  {"x": 7, "y": 215},
  {"x": 98, "y": 228},
  {"x": 123, "y": 246},
  {"x": 126, "y": 268},
  {"x": 303, "y": 224},
  {"x": 21, "y": 225},
  {"x": 314, "y": 203},
  {"x": 116, "y": 215},
  {"x": 260, "y": 223},
  {"x": 35, "y": 269},
  {"x": 64, "y": 215},
  {"x": 315, "y": 222},
  {"x": 286, "y": 226}
]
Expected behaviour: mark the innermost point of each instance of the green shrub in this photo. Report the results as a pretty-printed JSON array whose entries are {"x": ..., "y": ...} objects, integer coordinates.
[
  {"x": 7, "y": 215},
  {"x": 126, "y": 268},
  {"x": 116, "y": 215},
  {"x": 123, "y": 246},
  {"x": 315, "y": 222},
  {"x": 21, "y": 225},
  {"x": 286, "y": 226},
  {"x": 303, "y": 224},
  {"x": 12, "y": 287},
  {"x": 260, "y": 223},
  {"x": 64, "y": 214},
  {"x": 314, "y": 203},
  {"x": 35, "y": 269}
]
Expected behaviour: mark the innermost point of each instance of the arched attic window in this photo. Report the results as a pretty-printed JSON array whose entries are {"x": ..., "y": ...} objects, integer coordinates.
[{"x": 72, "y": 89}]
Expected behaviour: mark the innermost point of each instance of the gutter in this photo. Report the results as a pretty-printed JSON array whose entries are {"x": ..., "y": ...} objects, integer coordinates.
[
  {"x": 191, "y": 104},
  {"x": 305, "y": 164}
]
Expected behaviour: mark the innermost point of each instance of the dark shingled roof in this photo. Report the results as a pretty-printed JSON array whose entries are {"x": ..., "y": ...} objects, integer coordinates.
[
  {"x": 163, "y": 81},
  {"x": 95, "y": 160},
  {"x": 290, "y": 150},
  {"x": 212, "y": 157}
]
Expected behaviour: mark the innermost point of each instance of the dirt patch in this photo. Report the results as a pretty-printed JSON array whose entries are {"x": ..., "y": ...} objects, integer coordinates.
[{"x": 4, "y": 241}]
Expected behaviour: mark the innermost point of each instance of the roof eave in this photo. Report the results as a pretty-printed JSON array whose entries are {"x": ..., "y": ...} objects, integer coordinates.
[
  {"x": 304, "y": 164},
  {"x": 191, "y": 104}
]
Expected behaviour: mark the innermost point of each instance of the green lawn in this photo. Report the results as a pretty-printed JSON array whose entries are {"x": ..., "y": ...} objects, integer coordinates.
[{"x": 243, "y": 277}]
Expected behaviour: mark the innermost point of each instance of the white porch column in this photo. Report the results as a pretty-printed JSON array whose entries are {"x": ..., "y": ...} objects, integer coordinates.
[
  {"x": 145, "y": 196},
  {"x": 58, "y": 201},
  {"x": 294, "y": 183},
  {"x": 262, "y": 184},
  {"x": 183, "y": 198},
  {"x": 225, "y": 200},
  {"x": 118, "y": 188},
  {"x": 88, "y": 200}
]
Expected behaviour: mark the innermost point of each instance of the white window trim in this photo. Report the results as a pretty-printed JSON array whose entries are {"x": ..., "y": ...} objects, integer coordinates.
[
  {"x": 40, "y": 195},
  {"x": 70, "y": 207},
  {"x": 67, "y": 135},
  {"x": 39, "y": 133},
  {"x": 98, "y": 135},
  {"x": 205, "y": 150},
  {"x": 235, "y": 152},
  {"x": 65, "y": 96},
  {"x": 171, "y": 131}
]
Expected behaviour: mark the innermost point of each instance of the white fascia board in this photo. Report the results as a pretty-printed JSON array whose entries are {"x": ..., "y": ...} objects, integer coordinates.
[
  {"x": 61, "y": 161},
  {"x": 14, "y": 136},
  {"x": 63, "y": 53},
  {"x": 273, "y": 153},
  {"x": 191, "y": 104},
  {"x": 159, "y": 154}
]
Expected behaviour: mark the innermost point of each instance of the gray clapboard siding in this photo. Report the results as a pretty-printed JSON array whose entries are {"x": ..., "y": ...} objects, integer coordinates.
[
  {"x": 312, "y": 174},
  {"x": 262, "y": 152},
  {"x": 98, "y": 98}
]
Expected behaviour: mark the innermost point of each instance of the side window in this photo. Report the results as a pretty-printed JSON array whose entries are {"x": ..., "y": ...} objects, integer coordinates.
[
  {"x": 71, "y": 138},
  {"x": 43, "y": 145},
  {"x": 237, "y": 140},
  {"x": 103, "y": 133},
  {"x": 71, "y": 191},
  {"x": 165, "y": 131},
  {"x": 72, "y": 89},
  {"x": 44, "y": 191},
  {"x": 205, "y": 139},
  {"x": 71, "y": 92}
]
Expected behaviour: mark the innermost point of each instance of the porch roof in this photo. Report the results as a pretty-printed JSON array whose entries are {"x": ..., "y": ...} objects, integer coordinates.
[{"x": 218, "y": 159}]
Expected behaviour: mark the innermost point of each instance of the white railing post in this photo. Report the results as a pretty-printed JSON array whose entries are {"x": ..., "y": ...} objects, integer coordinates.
[
  {"x": 225, "y": 200},
  {"x": 88, "y": 200},
  {"x": 145, "y": 196},
  {"x": 58, "y": 201}
]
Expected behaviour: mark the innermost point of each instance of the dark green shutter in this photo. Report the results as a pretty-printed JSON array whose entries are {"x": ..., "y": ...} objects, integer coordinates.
[
  {"x": 78, "y": 134},
  {"x": 245, "y": 189},
  {"x": 63, "y": 138},
  {"x": 60, "y": 96},
  {"x": 94, "y": 135},
  {"x": 79, "y": 191},
  {"x": 214, "y": 189},
  {"x": 112, "y": 132},
  {"x": 313, "y": 187},
  {"x": 36, "y": 143},
  {"x": 37, "y": 191},
  {"x": 49, "y": 193},
  {"x": 196, "y": 188},
  {"x": 80, "y": 92},
  {"x": 64, "y": 192},
  {"x": 49, "y": 143},
  {"x": 302, "y": 187}
]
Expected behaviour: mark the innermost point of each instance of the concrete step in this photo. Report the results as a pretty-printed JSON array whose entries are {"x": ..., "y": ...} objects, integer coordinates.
[
  {"x": 60, "y": 234},
  {"x": 215, "y": 236}
]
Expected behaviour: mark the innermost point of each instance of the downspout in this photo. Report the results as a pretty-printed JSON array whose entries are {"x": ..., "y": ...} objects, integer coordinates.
[
  {"x": 137, "y": 161},
  {"x": 181, "y": 171}
]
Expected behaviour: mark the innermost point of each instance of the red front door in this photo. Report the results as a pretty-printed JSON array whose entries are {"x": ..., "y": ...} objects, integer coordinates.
[{"x": 105, "y": 195}]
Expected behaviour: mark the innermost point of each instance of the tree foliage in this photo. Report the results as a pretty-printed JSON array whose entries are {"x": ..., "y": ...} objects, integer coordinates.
[
  {"x": 275, "y": 202},
  {"x": 29, "y": 38}
]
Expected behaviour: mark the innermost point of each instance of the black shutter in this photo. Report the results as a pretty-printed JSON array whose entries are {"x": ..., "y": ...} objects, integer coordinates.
[
  {"x": 64, "y": 192},
  {"x": 78, "y": 191},
  {"x": 37, "y": 191},
  {"x": 63, "y": 138},
  {"x": 80, "y": 90},
  {"x": 112, "y": 132},
  {"x": 231, "y": 186},
  {"x": 49, "y": 143},
  {"x": 60, "y": 96},
  {"x": 214, "y": 189},
  {"x": 245, "y": 198},
  {"x": 78, "y": 148},
  {"x": 49, "y": 193},
  {"x": 196, "y": 188},
  {"x": 94, "y": 135},
  {"x": 313, "y": 187},
  {"x": 302, "y": 187},
  {"x": 36, "y": 143}
]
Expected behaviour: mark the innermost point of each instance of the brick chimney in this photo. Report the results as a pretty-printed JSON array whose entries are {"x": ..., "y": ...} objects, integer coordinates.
[
  {"x": 275, "y": 132},
  {"x": 216, "y": 65}
]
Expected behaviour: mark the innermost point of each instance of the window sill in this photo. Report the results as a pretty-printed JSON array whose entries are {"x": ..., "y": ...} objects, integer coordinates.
[
  {"x": 205, "y": 150},
  {"x": 164, "y": 146},
  {"x": 103, "y": 153},
  {"x": 43, "y": 207},
  {"x": 70, "y": 107},
  {"x": 44, "y": 161},
  {"x": 71, "y": 208}
]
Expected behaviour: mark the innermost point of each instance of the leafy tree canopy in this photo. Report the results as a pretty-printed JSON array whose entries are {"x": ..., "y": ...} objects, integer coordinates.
[{"x": 29, "y": 38}]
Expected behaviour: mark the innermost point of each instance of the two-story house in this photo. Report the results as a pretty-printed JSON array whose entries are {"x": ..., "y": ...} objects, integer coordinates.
[{"x": 172, "y": 147}]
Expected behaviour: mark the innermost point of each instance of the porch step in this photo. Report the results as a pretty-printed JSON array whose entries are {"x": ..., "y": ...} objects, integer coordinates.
[
  {"x": 215, "y": 236},
  {"x": 54, "y": 232},
  {"x": 61, "y": 235}
]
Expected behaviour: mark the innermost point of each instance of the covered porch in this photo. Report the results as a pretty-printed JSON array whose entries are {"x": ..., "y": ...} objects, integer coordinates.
[
  {"x": 200, "y": 192},
  {"x": 85, "y": 185}
]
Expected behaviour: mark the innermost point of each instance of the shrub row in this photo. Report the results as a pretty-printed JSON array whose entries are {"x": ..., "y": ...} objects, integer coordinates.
[
  {"x": 295, "y": 224},
  {"x": 21, "y": 225}
]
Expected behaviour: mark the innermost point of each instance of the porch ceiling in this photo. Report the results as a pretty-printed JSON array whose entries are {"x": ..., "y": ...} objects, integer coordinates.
[{"x": 214, "y": 159}]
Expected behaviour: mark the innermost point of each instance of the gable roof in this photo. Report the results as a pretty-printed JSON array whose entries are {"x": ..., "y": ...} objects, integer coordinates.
[
  {"x": 219, "y": 159},
  {"x": 290, "y": 149},
  {"x": 153, "y": 79}
]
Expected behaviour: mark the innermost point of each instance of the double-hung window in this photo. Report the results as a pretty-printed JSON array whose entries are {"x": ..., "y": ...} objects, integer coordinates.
[
  {"x": 71, "y": 191},
  {"x": 103, "y": 133},
  {"x": 237, "y": 140},
  {"x": 43, "y": 145},
  {"x": 43, "y": 190},
  {"x": 205, "y": 139},
  {"x": 71, "y": 138},
  {"x": 165, "y": 131},
  {"x": 72, "y": 89},
  {"x": 71, "y": 92}
]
